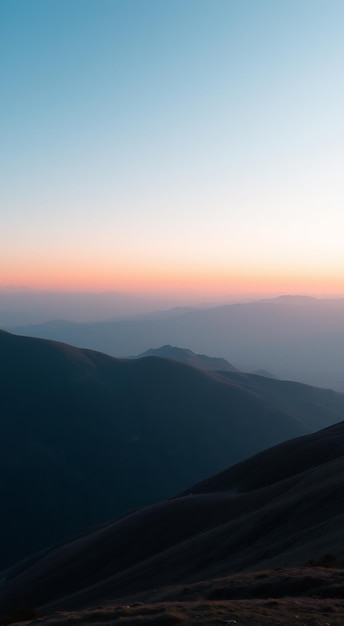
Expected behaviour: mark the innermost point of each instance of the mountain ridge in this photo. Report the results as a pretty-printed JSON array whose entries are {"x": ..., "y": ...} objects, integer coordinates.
[
  {"x": 279, "y": 335},
  {"x": 86, "y": 437},
  {"x": 201, "y": 361},
  {"x": 284, "y": 521}
]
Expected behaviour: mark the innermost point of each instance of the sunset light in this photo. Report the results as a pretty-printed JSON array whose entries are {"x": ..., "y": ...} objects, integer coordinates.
[{"x": 194, "y": 148}]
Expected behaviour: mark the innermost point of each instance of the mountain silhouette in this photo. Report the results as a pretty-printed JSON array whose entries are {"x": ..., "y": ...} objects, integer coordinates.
[
  {"x": 85, "y": 437},
  {"x": 294, "y": 337},
  {"x": 281, "y": 508},
  {"x": 201, "y": 361}
]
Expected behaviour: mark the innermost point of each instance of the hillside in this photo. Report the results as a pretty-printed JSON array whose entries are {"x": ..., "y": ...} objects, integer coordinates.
[
  {"x": 85, "y": 437},
  {"x": 282, "y": 508}
]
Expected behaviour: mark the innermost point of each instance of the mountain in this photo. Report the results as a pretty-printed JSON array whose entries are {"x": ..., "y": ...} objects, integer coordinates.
[
  {"x": 296, "y": 338},
  {"x": 85, "y": 437},
  {"x": 201, "y": 361},
  {"x": 305, "y": 403},
  {"x": 280, "y": 513},
  {"x": 20, "y": 305}
]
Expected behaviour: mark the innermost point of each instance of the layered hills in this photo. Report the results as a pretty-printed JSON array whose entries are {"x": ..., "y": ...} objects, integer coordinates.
[
  {"x": 85, "y": 437},
  {"x": 298, "y": 338},
  {"x": 280, "y": 513}
]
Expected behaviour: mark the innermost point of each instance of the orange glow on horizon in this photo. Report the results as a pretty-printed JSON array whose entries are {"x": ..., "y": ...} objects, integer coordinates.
[{"x": 193, "y": 283}]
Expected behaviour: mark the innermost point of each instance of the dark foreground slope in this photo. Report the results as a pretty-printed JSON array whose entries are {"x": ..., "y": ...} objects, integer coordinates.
[
  {"x": 283, "y": 508},
  {"x": 85, "y": 437}
]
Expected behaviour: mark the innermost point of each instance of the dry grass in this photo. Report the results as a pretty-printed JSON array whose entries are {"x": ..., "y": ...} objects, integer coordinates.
[
  {"x": 269, "y": 612},
  {"x": 284, "y": 597}
]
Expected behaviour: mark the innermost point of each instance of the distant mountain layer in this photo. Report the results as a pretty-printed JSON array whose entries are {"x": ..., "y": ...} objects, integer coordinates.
[
  {"x": 282, "y": 507},
  {"x": 298, "y": 338},
  {"x": 201, "y": 361},
  {"x": 85, "y": 437}
]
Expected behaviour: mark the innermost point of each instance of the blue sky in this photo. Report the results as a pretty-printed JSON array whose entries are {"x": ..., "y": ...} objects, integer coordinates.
[{"x": 188, "y": 144}]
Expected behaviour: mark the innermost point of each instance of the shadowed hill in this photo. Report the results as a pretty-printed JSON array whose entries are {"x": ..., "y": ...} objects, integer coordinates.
[
  {"x": 85, "y": 437},
  {"x": 281, "y": 508},
  {"x": 307, "y": 404}
]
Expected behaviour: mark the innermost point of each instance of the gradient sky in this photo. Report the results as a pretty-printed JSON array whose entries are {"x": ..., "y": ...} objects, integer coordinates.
[{"x": 191, "y": 146}]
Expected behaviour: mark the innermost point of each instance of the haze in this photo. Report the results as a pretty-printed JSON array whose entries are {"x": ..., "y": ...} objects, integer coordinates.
[{"x": 162, "y": 155}]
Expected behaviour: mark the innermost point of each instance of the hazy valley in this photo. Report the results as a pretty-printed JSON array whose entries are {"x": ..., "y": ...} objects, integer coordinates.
[{"x": 296, "y": 338}]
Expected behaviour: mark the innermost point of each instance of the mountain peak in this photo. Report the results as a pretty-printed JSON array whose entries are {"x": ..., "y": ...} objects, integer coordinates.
[{"x": 184, "y": 355}]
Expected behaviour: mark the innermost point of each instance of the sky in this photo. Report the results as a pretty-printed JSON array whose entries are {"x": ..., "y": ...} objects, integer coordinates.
[{"x": 186, "y": 147}]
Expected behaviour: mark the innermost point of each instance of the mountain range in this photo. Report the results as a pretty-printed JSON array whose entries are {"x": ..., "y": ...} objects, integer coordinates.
[
  {"x": 296, "y": 338},
  {"x": 85, "y": 437}
]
